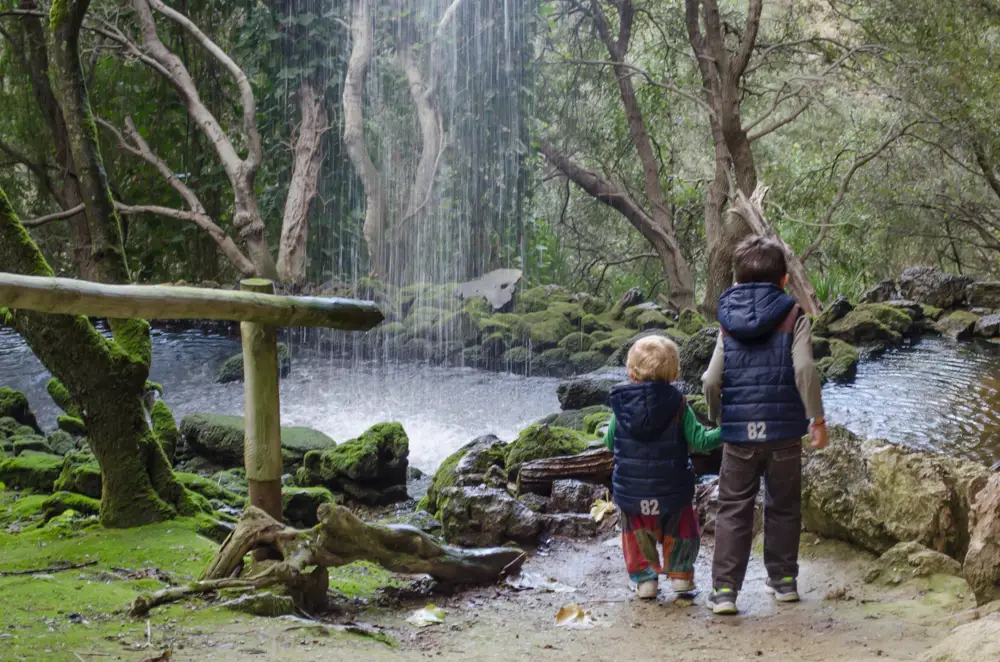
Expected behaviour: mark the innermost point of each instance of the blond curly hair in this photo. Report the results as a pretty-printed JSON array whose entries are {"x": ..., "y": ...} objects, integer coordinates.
[{"x": 653, "y": 359}]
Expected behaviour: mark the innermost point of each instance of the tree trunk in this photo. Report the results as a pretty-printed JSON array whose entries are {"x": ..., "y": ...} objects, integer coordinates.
[
  {"x": 308, "y": 159},
  {"x": 106, "y": 378},
  {"x": 354, "y": 134}
]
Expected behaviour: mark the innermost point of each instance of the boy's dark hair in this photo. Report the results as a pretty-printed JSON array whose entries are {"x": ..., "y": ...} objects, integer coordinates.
[{"x": 759, "y": 259}]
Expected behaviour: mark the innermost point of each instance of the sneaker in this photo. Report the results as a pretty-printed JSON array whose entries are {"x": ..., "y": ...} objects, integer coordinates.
[
  {"x": 723, "y": 601},
  {"x": 783, "y": 590},
  {"x": 647, "y": 590},
  {"x": 682, "y": 585}
]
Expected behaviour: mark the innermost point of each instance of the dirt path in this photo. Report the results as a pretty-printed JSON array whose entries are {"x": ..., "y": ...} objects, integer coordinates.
[{"x": 840, "y": 619}]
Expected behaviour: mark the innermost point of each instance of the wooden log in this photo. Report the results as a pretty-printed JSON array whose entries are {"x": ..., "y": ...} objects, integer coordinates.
[
  {"x": 262, "y": 414},
  {"x": 76, "y": 297},
  {"x": 593, "y": 466}
]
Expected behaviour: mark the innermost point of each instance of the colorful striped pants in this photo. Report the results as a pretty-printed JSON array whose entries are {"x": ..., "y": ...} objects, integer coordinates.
[{"x": 677, "y": 532}]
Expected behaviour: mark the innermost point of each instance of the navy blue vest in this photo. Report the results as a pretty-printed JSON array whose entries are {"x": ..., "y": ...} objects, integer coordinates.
[
  {"x": 652, "y": 475},
  {"x": 760, "y": 400}
]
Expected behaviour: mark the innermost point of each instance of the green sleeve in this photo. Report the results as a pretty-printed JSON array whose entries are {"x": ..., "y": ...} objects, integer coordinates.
[
  {"x": 699, "y": 439},
  {"x": 609, "y": 436}
]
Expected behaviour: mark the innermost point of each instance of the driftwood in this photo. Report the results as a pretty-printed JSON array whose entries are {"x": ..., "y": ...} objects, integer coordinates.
[
  {"x": 339, "y": 538},
  {"x": 593, "y": 466}
]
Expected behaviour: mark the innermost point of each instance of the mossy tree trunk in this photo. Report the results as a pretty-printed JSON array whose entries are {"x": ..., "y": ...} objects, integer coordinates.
[{"x": 105, "y": 378}]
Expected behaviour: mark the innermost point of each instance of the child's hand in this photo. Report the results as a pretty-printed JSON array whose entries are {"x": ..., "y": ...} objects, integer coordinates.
[{"x": 818, "y": 434}]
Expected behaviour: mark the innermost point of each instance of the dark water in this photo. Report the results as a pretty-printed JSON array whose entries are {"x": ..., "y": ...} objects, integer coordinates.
[{"x": 936, "y": 395}]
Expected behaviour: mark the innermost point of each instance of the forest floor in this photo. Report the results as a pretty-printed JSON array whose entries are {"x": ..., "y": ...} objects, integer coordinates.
[{"x": 78, "y": 614}]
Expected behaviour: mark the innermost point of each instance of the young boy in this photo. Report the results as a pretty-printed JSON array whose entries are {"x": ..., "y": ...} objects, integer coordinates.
[
  {"x": 651, "y": 432},
  {"x": 762, "y": 385}
]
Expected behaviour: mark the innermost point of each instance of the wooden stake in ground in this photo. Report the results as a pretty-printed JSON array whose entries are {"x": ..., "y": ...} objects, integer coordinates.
[{"x": 261, "y": 410}]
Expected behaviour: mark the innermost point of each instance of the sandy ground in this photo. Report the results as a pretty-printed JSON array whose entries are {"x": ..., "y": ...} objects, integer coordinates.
[{"x": 840, "y": 618}]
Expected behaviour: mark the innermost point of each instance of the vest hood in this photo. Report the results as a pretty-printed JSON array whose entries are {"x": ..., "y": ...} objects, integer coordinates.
[
  {"x": 749, "y": 311},
  {"x": 644, "y": 410}
]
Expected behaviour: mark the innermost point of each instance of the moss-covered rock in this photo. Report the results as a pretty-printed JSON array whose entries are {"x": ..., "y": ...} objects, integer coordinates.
[
  {"x": 500, "y": 323},
  {"x": 584, "y": 362},
  {"x": 696, "y": 352},
  {"x": 371, "y": 468},
  {"x": 232, "y": 369},
  {"x": 210, "y": 489},
  {"x": 576, "y": 342},
  {"x": 30, "y": 443},
  {"x": 611, "y": 345},
  {"x": 553, "y": 362},
  {"x": 232, "y": 480},
  {"x": 300, "y": 504},
  {"x": 633, "y": 297},
  {"x": 493, "y": 347},
  {"x": 573, "y": 312},
  {"x": 591, "y": 323},
  {"x": 219, "y": 438},
  {"x": 80, "y": 474},
  {"x": 460, "y": 327},
  {"x": 516, "y": 359},
  {"x": 653, "y": 319},
  {"x": 14, "y": 404},
  {"x": 872, "y": 322},
  {"x": 630, "y": 315},
  {"x": 820, "y": 347},
  {"x": 541, "y": 441},
  {"x": 466, "y": 466},
  {"x": 61, "y": 443},
  {"x": 911, "y": 559},
  {"x": 71, "y": 425},
  {"x": 834, "y": 311},
  {"x": 591, "y": 305},
  {"x": 60, "y": 502},
  {"x": 539, "y": 298},
  {"x": 31, "y": 472},
  {"x": 691, "y": 321},
  {"x": 957, "y": 325},
  {"x": 574, "y": 419},
  {"x": 594, "y": 422},
  {"x": 842, "y": 363},
  {"x": 543, "y": 330},
  {"x": 8, "y": 426}
]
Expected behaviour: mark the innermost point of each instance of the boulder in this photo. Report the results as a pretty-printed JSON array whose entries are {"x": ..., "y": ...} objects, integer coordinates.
[
  {"x": 371, "y": 469},
  {"x": 988, "y": 326},
  {"x": 61, "y": 442},
  {"x": 914, "y": 310},
  {"x": 232, "y": 370},
  {"x": 80, "y": 474},
  {"x": 517, "y": 359},
  {"x": 544, "y": 329},
  {"x": 211, "y": 490},
  {"x": 591, "y": 304},
  {"x": 973, "y": 642},
  {"x": 497, "y": 287},
  {"x": 576, "y": 342},
  {"x": 71, "y": 425},
  {"x": 219, "y": 438},
  {"x": 585, "y": 362},
  {"x": 575, "y": 419},
  {"x": 586, "y": 391},
  {"x": 835, "y": 310},
  {"x": 984, "y": 295},
  {"x": 537, "y": 502},
  {"x": 821, "y": 347},
  {"x": 842, "y": 363},
  {"x": 34, "y": 472},
  {"x": 575, "y": 496},
  {"x": 590, "y": 323},
  {"x": 696, "y": 352},
  {"x": 929, "y": 286},
  {"x": 631, "y": 298},
  {"x": 572, "y": 525},
  {"x": 871, "y": 323},
  {"x": 14, "y": 404},
  {"x": 957, "y": 325},
  {"x": 552, "y": 362},
  {"x": 982, "y": 563},
  {"x": 60, "y": 502},
  {"x": 875, "y": 494},
  {"x": 8, "y": 427},
  {"x": 653, "y": 319},
  {"x": 620, "y": 356},
  {"x": 541, "y": 441},
  {"x": 300, "y": 504},
  {"x": 691, "y": 321},
  {"x": 911, "y": 559},
  {"x": 486, "y": 517},
  {"x": 881, "y": 292},
  {"x": 30, "y": 443}
]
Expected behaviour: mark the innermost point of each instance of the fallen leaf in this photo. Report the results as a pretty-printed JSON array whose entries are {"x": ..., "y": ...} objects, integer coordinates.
[
  {"x": 429, "y": 615},
  {"x": 601, "y": 509},
  {"x": 573, "y": 616}
]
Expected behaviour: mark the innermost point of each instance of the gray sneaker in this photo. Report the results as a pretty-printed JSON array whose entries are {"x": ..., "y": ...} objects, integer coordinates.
[
  {"x": 783, "y": 590},
  {"x": 723, "y": 601}
]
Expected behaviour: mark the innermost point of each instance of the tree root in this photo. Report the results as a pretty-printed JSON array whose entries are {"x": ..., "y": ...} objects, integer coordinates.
[{"x": 339, "y": 538}]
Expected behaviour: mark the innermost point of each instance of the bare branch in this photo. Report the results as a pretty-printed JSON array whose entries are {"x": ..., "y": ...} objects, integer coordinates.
[
  {"x": 748, "y": 40},
  {"x": 58, "y": 216},
  {"x": 788, "y": 119}
]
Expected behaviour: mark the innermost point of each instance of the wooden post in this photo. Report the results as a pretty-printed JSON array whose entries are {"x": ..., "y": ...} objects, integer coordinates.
[{"x": 261, "y": 410}]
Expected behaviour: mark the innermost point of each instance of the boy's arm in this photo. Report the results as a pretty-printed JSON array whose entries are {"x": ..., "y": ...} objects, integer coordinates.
[
  {"x": 807, "y": 377},
  {"x": 609, "y": 436},
  {"x": 698, "y": 438},
  {"x": 712, "y": 382}
]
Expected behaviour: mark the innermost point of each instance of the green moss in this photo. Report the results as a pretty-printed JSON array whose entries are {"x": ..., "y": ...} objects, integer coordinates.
[
  {"x": 446, "y": 476},
  {"x": 653, "y": 319},
  {"x": 8, "y": 426},
  {"x": 618, "y": 338},
  {"x": 541, "y": 441},
  {"x": 71, "y": 425},
  {"x": 544, "y": 329},
  {"x": 233, "y": 480},
  {"x": 584, "y": 362},
  {"x": 553, "y": 361},
  {"x": 209, "y": 489},
  {"x": 699, "y": 405},
  {"x": 538, "y": 299},
  {"x": 232, "y": 369},
  {"x": 517, "y": 357},
  {"x": 573, "y": 312},
  {"x": 595, "y": 421},
  {"x": 871, "y": 322},
  {"x": 842, "y": 363},
  {"x": 35, "y": 472},
  {"x": 361, "y": 580},
  {"x": 691, "y": 321},
  {"x": 81, "y": 474},
  {"x": 300, "y": 504},
  {"x": 576, "y": 342},
  {"x": 219, "y": 438},
  {"x": 932, "y": 313},
  {"x": 132, "y": 335},
  {"x": 378, "y": 456},
  {"x": 30, "y": 443},
  {"x": 60, "y": 395},
  {"x": 24, "y": 509},
  {"x": 592, "y": 323},
  {"x": 165, "y": 428},
  {"x": 60, "y": 502},
  {"x": 14, "y": 404},
  {"x": 61, "y": 443}
]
